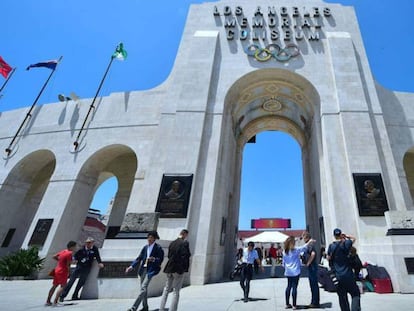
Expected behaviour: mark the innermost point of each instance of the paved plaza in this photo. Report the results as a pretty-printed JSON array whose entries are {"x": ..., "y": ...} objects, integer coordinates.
[{"x": 267, "y": 294}]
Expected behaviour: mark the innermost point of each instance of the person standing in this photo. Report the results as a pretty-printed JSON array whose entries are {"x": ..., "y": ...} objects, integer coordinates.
[
  {"x": 338, "y": 256},
  {"x": 273, "y": 258},
  {"x": 249, "y": 257},
  {"x": 260, "y": 254},
  {"x": 292, "y": 264},
  {"x": 149, "y": 261},
  {"x": 312, "y": 264},
  {"x": 61, "y": 272},
  {"x": 84, "y": 258},
  {"x": 178, "y": 263}
]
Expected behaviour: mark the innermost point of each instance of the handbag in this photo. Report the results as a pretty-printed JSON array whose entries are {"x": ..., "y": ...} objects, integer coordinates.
[{"x": 51, "y": 272}]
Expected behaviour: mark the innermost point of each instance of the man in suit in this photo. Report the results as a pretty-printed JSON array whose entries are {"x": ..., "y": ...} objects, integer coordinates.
[
  {"x": 84, "y": 258},
  {"x": 149, "y": 261},
  {"x": 178, "y": 263}
]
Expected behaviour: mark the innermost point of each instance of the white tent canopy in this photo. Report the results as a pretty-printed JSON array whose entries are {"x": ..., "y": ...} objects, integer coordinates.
[{"x": 268, "y": 237}]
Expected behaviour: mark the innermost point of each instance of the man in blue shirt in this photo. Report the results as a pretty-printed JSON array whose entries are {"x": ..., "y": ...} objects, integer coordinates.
[
  {"x": 338, "y": 256},
  {"x": 312, "y": 264},
  {"x": 249, "y": 257}
]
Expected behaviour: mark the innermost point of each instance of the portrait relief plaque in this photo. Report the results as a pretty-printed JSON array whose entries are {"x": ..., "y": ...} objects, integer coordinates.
[
  {"x": 370, "y": 194},
  {"x": 40, "y": 232},
  {"x": 174, "y": 195}
]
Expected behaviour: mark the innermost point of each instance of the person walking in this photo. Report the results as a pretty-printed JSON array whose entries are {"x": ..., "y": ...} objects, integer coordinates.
[
  {"x": 273, "y": 258},
  {"x": 149, "y": 261},
  {"x": 291, "y": 263},
  {"x": 249, "y": 257},
  {"x": 61, "y": 272},
  {"x": 178, "y": 262},
  {"x": 312, "y": 264},
  {"x": 84, "y": 258},
  {"x": 338, "y": 256}
]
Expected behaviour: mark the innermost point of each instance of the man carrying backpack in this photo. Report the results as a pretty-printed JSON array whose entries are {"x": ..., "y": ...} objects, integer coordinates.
[{"x": 338, "y": 256}]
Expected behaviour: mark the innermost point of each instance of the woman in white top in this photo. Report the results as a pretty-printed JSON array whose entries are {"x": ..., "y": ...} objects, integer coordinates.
[
  {"x": 249, "y": 257},
  {"x": 292, "y": 264}
]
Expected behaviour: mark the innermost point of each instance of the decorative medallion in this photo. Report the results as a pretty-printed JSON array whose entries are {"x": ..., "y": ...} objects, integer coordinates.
[{"x": 272, "y": 104}]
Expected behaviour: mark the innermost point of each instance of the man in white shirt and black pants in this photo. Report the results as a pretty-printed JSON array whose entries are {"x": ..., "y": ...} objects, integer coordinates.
[{"x": 249, "y": 257}]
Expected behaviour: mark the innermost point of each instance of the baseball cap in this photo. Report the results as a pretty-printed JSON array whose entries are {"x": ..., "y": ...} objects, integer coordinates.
[
  {"x": 337, "y": 232},
  {"x": 89, "y": 239}
]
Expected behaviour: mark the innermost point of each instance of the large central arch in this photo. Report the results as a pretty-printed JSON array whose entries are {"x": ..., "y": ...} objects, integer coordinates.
[{"x": 274, "y": 99}]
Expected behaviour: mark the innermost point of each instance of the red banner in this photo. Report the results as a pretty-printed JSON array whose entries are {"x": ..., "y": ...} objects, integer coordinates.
[{"x": 266, "y": 223}]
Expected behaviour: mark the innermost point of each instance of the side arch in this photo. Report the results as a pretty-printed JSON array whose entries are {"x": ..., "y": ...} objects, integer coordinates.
[
  {"x": 116, "y": 160},
  {"x": 20, "y": 197}
]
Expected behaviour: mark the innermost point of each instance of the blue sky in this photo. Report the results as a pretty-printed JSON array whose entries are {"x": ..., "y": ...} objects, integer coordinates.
[{"x": 85, "y": 33}]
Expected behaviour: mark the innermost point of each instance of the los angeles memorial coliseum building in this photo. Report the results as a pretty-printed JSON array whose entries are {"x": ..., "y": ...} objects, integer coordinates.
[{"x": 243, "y": 67}]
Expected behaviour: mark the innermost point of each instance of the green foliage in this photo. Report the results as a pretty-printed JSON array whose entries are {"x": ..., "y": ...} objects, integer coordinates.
[{"x": 21, "y": 263}]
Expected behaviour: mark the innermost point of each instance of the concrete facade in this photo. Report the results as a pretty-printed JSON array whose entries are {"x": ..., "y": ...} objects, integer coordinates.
[{"x": 219, "y": 95}]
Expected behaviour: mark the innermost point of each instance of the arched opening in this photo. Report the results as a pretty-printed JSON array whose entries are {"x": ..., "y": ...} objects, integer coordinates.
[
  {"x": 112, "y": 161},
  {"x": 272, "y": 181},
  {"x": 20, "y": 197},
  {"x": 96, "y": 221},
  {"x": 274, "y": 100},
  {"x": 408, "y": 163}
]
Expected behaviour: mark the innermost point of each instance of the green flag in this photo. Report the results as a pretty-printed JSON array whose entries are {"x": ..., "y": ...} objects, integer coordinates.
[{"x": 120, "y": 53}]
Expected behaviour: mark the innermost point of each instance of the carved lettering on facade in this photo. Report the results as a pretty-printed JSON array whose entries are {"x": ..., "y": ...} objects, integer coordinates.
[{"x": 283, "y": 23}]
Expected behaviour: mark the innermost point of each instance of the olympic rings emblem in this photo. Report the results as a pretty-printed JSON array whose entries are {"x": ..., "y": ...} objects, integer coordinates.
[{"x": 273, "y": 49}]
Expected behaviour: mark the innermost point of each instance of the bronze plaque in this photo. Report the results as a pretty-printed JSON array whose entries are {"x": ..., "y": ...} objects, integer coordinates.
[
  {"x": 370, "y": 194},
  {"x": 174, "y": 196},
  {"x": 116, "y": 269},
  {"x": 40, "y": 232}
]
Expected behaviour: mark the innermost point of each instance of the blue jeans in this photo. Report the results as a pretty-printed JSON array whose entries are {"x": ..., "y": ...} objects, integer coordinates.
[
  {"x": 313, "y": 283},
  {"x": 293, "y": 282}
]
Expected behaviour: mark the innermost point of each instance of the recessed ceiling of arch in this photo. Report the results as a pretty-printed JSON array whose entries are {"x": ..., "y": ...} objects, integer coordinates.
[
  {"x": 273, "y": 94},
  {"x": 33, "y": 163},
  {"x": 103, "y": 157},
  {"x": 271, "y": 123},
  {"x": 272, "y": 90},
  {"x": 275, "y": 100}
]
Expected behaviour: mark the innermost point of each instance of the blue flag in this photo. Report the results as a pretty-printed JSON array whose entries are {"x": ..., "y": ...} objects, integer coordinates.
[{"x": 51, "y": 64}]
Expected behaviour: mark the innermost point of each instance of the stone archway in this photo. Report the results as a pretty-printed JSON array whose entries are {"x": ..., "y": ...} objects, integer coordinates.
[
  {"x": 20, "y": 197},
  {"x": 114, "y": 160},
  {"x": 274, "y": 99}
]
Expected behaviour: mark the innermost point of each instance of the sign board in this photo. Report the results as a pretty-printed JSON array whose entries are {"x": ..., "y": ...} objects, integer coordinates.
[{"x": 267, "y": 223}]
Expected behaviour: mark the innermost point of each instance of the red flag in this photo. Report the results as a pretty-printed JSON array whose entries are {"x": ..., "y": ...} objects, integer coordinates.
[{"x": 4, "y": 68}]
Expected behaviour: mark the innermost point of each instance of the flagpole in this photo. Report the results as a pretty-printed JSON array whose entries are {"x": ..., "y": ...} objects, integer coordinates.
[
  {"x": 7, "y": 80},
  {"x": 28, "y": 115},
  {"x": 76, "y": 142}
]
